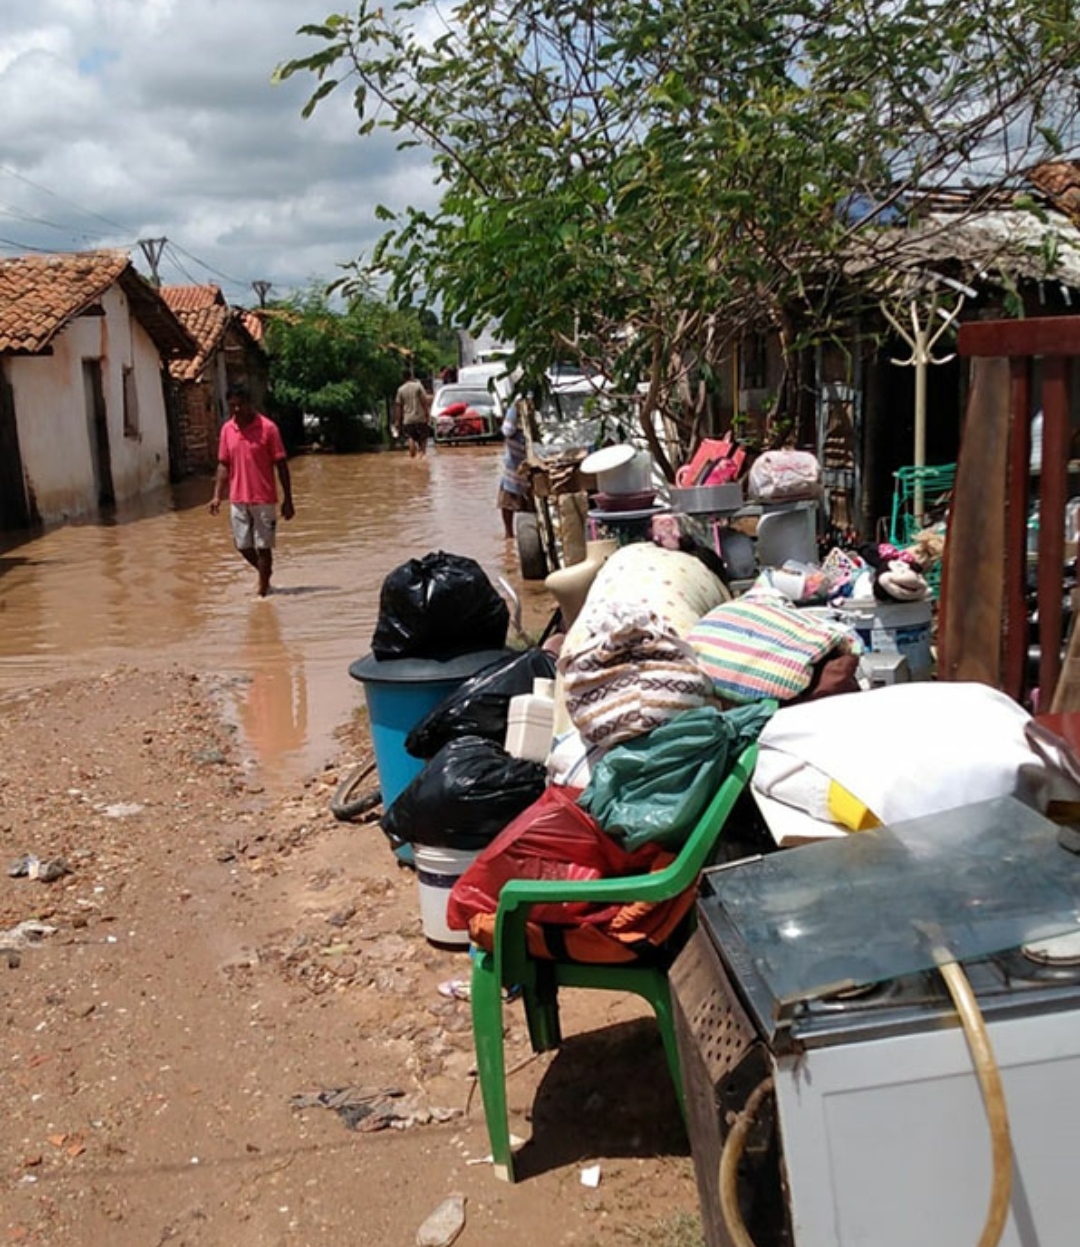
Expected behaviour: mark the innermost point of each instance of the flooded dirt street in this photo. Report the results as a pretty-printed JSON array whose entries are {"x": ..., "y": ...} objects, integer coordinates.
[
  {"x": 213, "y": 968},
  {"x": 162, "y": 585}
]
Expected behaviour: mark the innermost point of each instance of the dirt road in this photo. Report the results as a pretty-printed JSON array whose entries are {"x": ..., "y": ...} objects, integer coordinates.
[{"x": 218, "y": 961}]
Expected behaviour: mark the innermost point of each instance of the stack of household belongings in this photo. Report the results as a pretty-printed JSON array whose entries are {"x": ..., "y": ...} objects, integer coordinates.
[
  {"x": 470, "y": 787},
  {"x": 654, "y": 709}
]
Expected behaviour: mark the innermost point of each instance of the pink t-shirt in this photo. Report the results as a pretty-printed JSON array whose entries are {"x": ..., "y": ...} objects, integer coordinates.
[{"x": 250, "y": 454}]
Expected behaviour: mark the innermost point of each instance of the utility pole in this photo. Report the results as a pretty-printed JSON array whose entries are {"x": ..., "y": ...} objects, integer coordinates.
[
  {"x": 152, "y": 249},
  {"x": 262, "y": 289}
]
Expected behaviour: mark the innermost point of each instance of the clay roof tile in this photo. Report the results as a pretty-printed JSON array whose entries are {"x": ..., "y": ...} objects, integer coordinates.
[{"x": 39, "y": 294}]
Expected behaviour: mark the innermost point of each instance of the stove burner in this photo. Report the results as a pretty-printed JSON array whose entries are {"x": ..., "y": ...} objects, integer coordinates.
[
  {"x": 860, "y": 997},
  {"x": 1062, "y": 950},
  {"x": 853, "y": 993}
]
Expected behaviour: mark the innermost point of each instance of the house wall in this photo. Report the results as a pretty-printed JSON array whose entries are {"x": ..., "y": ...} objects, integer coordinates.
[
  {"x": 200, "y": 420},
  {"x": 749, "y": 380},
  {"x": 54, "y": 424},
  {"x": 202, "y": 401}
]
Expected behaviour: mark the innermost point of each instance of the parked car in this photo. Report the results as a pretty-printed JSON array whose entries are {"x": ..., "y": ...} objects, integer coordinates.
[{"x": 465, "y": 413}]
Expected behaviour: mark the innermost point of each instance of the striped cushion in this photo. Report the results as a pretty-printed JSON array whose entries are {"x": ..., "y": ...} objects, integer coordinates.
[{"x": 753, "y": 648}]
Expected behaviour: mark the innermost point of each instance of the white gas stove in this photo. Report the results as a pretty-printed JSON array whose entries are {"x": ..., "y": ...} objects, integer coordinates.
[{"x": 878, "y": 1135}]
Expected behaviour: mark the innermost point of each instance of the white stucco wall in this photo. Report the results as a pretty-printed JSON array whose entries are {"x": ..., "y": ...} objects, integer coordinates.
[{"x": 54, "y": 422}]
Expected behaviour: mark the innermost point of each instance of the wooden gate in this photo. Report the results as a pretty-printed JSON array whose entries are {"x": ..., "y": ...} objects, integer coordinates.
[{"x": 1019, "y": 366}]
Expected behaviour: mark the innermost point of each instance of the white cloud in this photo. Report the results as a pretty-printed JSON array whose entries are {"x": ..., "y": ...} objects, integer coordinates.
[{"x": 128, "y": 119}]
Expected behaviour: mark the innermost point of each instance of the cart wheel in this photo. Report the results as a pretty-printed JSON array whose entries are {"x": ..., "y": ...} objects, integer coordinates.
[
  {"x": 357, "y": 793},
  {"x": 529, "y": 547}
]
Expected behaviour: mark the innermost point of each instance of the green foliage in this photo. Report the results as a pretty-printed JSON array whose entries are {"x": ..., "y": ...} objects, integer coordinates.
[
  {"x": 633, "y": 182},
  {"x": 343, "y": 367}
]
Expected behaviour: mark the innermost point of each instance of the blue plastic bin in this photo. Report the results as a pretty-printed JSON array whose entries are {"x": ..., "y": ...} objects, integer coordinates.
[{"x": 399, "y": 692}]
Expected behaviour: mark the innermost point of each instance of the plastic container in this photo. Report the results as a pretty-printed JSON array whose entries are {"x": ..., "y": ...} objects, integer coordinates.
[
  {"x": 787, "y": 534},
  {"x": 619, "y": 469},
  {"x": 437, "y": 870},
  {"x": 706, "y": 499},
  {"x": 399, "y": 692},
  {"x": 895, "y": 628},
  {"x": 530, "y": 722}
]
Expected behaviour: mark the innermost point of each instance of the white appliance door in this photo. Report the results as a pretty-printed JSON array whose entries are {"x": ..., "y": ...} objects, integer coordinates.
[{"x": 887, "y": 1143}]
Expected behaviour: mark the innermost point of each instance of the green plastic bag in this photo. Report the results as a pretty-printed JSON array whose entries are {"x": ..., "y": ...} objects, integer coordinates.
[{"x": 656, "y": 786}]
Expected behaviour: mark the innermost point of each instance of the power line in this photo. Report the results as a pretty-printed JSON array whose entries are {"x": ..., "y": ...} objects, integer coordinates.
[
  {"x": 236, "y": 281},
  {"x": 19, "y": 215},
  {"x": 174, "y": 261},
  {"x": 70, "y": 202},
  {"x": 172, "y": 247},
  {"x": 25, "y": 246}
]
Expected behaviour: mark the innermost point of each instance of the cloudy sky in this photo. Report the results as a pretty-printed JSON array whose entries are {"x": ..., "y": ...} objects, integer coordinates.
[{"x": 123, "y": 120}]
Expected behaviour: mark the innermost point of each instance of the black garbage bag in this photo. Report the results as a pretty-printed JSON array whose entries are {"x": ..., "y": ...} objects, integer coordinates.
[
  {"x": 464, "y": 797},
  {"x": 479, "y": 707},
  {"x": 438, "y": 607}
]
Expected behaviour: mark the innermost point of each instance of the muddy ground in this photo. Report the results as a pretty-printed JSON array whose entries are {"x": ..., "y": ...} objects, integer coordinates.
[{"x": 222, "y": 956}]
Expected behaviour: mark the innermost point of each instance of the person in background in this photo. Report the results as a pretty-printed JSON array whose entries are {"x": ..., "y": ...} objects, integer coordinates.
[
  {"x": 250, "y": 449},
  {"x": 515, "y": 491},
  {"x": 412, "y": 415}
]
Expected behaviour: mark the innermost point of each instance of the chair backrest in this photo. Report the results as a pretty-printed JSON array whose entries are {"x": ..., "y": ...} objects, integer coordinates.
[{"x": 694, "y": 854}]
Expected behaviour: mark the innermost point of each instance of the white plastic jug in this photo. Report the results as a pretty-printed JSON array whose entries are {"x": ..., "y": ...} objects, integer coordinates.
[{"x": 530, "y": 722}]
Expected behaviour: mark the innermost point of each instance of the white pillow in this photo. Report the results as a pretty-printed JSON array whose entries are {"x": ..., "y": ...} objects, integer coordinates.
[{"x": 907, "y": 750}]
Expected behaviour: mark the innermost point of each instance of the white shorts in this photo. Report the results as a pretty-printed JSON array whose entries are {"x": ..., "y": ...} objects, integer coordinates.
[{"x": 253, "y": 525}]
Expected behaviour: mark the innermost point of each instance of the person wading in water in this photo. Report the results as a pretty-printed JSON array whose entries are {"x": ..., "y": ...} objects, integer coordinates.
[
  {"x": 412, "y": 415},
  {"x": 249, "y": 450}
]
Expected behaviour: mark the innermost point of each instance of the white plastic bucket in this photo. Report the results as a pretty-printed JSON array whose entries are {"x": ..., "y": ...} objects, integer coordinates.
[
  {"x": 895, "y": 628},
  {"x": 437, "y": 870},
  {"x": 619, "y": 469}
]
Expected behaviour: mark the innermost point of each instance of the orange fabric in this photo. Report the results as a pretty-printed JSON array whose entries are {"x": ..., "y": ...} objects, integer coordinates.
[{"x": 632, "y": 930}]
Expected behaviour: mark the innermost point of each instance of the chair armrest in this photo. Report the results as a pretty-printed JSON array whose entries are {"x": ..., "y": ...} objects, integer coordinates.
[{"x": 656, "y": 886}]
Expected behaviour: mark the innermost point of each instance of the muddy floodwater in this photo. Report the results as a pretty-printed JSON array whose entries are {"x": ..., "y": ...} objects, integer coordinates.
[{"x": 160, "y": 584}]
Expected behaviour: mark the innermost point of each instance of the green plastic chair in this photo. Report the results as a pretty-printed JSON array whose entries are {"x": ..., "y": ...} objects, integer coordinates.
[{"x": 510, "y": 965}]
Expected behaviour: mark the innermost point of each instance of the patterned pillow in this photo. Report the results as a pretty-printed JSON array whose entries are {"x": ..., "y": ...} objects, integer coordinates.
[
  {"x": 634, "y": 675},
  {"x": 755, "y": 647},
  {"x": 675, "y": 587}
]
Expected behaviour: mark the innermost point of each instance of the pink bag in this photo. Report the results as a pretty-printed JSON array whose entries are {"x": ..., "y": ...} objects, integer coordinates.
[{"x": 784, "y": 476}]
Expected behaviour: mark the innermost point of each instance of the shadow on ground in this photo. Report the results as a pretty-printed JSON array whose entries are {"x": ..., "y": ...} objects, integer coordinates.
[{"x": 607, "y": 1093}]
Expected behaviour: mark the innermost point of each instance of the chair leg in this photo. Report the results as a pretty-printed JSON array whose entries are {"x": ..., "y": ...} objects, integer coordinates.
[
  {"x": 487, "y": 1020},
  {"x": 541, "y": 995},
  {"x": 665, "y": 1020}
]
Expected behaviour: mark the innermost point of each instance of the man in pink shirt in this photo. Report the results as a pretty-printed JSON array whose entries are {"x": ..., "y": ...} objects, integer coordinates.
[{"x": 249, "y": 450}]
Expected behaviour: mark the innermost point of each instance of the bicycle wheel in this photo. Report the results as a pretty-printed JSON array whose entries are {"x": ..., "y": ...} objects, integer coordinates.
[{"x": 358, "y": 793}]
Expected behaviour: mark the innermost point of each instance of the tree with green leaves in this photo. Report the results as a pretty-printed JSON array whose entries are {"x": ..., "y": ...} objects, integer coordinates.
[
  {"x": 343, "y": 366},
  {"x": 634, "y": 183}
]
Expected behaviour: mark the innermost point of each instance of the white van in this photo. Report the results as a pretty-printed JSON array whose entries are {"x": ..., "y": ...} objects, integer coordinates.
[{"x": 492, "y": 377}]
